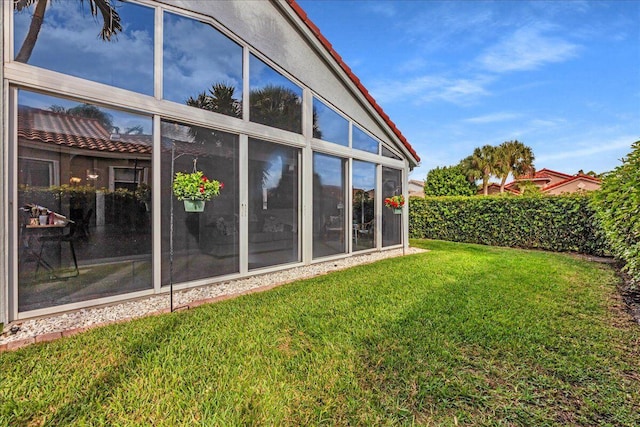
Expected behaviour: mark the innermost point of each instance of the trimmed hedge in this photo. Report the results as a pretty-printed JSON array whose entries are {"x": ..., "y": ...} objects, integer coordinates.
[
  {"x": 554, "y": 223},
  {"x": 618, "y": 207}
]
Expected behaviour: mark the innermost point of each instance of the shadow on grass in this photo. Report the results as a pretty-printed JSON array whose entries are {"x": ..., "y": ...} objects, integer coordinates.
[
  {"x": 103, "y": 386},
  {"x": 475, "y": 353}
]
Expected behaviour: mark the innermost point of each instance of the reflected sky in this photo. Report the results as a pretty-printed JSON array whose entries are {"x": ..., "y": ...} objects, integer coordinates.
[
  {"x": 364, "y": 175},
  {"x": 196, "y": 56},
  {"x": 69, "y": 42},
  {"x": 362, "y": 141},
  {"x": 331, "y": 125},
  {"x": 261, "y": 75},
  {"x": 328, "y": 169}
]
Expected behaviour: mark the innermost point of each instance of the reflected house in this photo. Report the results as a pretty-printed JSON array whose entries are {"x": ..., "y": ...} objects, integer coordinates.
[
  {"x": 100, "y": 180},
  {"x": 249, "y": 93}
]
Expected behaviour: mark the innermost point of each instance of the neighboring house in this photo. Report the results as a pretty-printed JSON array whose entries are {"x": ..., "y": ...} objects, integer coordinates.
[
  {"x": 416, "y": 188},
  {"x": 494, "y": 188},
  {"x": 549, "y": 182},
  {"x": 250, "y": 93},
  {"x": 553, "y": 182}
]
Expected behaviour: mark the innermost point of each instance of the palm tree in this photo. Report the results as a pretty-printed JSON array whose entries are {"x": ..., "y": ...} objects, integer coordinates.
[
  {"x": 480, "y": 165},
  {"x": 276, "y": 106},
  {"x": 110, "y": 22},
  {"x": 512, "y": 157},
  {"x": 220, "y": 99}
]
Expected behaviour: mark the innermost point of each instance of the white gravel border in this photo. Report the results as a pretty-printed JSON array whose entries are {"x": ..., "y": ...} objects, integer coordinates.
[{"x": 55, "y": 326}]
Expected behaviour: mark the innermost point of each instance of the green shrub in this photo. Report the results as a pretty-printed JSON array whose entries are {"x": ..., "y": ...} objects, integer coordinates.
[
  {"x": 618, "y": 207},
  {"x": 555, "y": 223}
]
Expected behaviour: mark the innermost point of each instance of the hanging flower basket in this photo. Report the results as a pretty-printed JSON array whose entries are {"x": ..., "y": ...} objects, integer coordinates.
[
  {"x": 395, "y": 202},
  {"x": 195, "y": 189}
]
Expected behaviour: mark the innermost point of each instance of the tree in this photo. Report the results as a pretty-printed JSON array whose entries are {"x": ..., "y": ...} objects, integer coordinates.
[
  {"x": 110, "y": 22},
  {"x": 512, "y": 157},
  {"x": 88, "y": 111},
  {"x": 276, "y": 106},
  {"x": 480, "y": 165},
  {"x": 618, "y": 208},
  {"x": 220, "y": 99},
  {"x": 448, "y": 181}
]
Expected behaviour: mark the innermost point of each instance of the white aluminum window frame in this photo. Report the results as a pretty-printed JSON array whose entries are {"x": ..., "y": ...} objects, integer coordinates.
[{"x": 27, "y": 77}]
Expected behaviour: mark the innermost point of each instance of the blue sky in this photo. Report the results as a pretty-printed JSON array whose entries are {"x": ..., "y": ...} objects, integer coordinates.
[{"x": 560, "y": 76}]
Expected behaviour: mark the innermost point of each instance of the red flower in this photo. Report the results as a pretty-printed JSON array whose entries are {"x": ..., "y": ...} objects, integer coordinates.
[
  {"x": 221, "y": 185},
  {"x": 202, "y": 189},
  {"x": 205, "y": 179}
]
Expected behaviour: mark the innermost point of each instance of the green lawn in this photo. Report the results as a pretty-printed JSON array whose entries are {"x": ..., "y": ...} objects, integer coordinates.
[{"x": 462, "y": 334}]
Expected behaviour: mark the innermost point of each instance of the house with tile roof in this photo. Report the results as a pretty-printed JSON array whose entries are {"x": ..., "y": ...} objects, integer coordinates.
[
  {"x": 549, "y": 182},
  {"x": 554, "y": 182},
  {"x": 250, "y": 93}
]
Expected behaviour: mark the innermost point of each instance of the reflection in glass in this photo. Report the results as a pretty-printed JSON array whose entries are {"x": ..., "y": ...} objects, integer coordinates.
[
  {"x": 273, "y": 204},
  {"x": 274, "y": 99},
  {"x": 90, "y": 169},
  {"x": 364, "y": 206},
  {"x": 202, "y": 67},
  {"x": 391, "y": 222},
  {"x": 362, "y": 141},
  {"x": 204, "y": 244},
  {"x": 388, "y": 153},
  {"x": 329, "y": 125},
  {"x": 71, "y": 41},
  {"x": 328, "y": 205}
]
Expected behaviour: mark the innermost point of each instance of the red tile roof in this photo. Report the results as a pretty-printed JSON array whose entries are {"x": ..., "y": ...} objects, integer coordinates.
[
  {"x": 573, "y": 178},
  {"x": 316, "y": 31},
  {"x": 65, "y": 130},
  {"x": 544, "y": 174}
]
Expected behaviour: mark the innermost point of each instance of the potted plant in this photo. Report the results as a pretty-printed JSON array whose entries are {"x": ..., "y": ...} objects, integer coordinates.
[
  {"x": 395, "y": 202},
  {"x": 195, "y": 189}
]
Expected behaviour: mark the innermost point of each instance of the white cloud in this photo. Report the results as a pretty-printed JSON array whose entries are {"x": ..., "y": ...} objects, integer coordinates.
[
  {"x": 527, "y": 49},
  {"x": 591, "y": 148},
  {"x": 493, "y": 118},
  {"x": 387, "y": 10},
  {"x": 425, "y": 89}
]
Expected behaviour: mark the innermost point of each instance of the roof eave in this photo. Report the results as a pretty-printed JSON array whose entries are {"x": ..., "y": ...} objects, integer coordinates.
[{"x": 324, "y": 48}]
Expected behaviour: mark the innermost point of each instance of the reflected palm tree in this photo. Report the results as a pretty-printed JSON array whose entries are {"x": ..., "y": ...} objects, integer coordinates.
[
  {"x": 276, "y": 106},
  {"x": 111, "y": 24},
  {"x": 220, "y": 99}
]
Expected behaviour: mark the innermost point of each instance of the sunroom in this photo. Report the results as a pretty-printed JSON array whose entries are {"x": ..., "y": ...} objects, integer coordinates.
[{"x": 100, "y": 112}]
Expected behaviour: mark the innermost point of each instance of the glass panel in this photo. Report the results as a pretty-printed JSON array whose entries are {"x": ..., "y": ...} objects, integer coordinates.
[
  {"x": 205, "y": 244},
  {"x": 96, "y": 240},
  {"x": 391, "y": 222},
  {"x": 388, "y": 153},
  {"x": 202, "y": 67},
  {"x": 329, "y": 125},
  {"x": 362, "y": 141},
  {"x": 328, "y": 205},
  {"x": 364, "y": 206},
  {"x": 71, "y": 41},
  {"x": 273, "y": 204},
  {"x": 274, "y": 99}
]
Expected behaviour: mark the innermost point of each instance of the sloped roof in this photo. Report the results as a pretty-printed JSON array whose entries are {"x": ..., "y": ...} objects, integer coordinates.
[
  {"x": 579, "y": 177},
  {"x": 65, "y": 130},
  {"x": 493, "y": 185},
  {"x": 325, "y": 43},
  {"x": 543, "y": 174},
  {"x": 83, "y": 133}
]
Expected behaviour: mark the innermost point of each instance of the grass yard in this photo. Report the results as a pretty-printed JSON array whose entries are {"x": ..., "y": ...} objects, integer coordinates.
[{"x": 463, "y": 334}]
